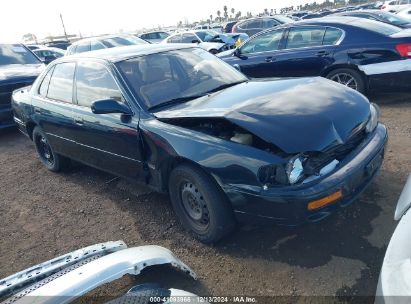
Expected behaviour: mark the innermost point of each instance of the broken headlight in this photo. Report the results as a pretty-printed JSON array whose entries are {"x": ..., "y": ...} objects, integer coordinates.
[
  {"x": 295, "y": 170},
  {"x": 290, "y": 173},
  {"x": 373, "y": 121}
]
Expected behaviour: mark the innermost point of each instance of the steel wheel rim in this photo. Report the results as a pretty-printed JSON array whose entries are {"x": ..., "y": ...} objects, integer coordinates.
[
  {"x": 45, "y": 150},
  {"x": 345, "y": 79},
  {"x": 194, "y": 205}
]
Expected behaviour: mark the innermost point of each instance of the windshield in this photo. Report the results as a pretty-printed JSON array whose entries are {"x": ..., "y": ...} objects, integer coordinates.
[
  {"x": 206, "y": 36},
  {"x": 177, "y": 75},
  {"x": 122, "y": 41},
  {"x": 16, "y": 54},
  {"x": 392, "y": 18}
]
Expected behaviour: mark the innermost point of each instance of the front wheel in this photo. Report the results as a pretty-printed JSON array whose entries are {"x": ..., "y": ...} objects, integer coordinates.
[
  {"x": 53, "y": 161},
  {"x": 348, "y": 77},
  {"x": 200, "y": 204}
]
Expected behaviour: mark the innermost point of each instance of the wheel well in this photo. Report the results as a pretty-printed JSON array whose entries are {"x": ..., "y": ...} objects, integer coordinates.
[
  {"x": 171, "y": 164},
  {"x": 30, "y": 127},
  {"x": 342, "y": 66}
]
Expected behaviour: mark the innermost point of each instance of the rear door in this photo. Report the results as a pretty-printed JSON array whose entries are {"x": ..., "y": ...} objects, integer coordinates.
[
  {"x": 308, "y": 50},
  {"x": 106, "y": 141},
  {"x": 53, "y": 108}
]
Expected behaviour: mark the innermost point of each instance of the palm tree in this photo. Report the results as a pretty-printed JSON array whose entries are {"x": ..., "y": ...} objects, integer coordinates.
[
  {"x": 211, "y": 18},
  {"x": 232, "y": 11},
  {"x": 219, "y": 15},
  {"x": 225, "y": 12}
]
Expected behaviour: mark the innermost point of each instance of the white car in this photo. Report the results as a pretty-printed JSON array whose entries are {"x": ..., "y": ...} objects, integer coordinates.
[
  {"x": 405, "y": 13},
  {"x": 395, "y": 6},
  {"x": 394, "y": 284},
  {"x": 195, "y": 37}
]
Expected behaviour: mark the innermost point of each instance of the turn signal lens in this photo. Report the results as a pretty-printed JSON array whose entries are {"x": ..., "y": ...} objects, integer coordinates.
[
  {"x": 404, "y": 49},
  {"x": 325, "y": 201}
]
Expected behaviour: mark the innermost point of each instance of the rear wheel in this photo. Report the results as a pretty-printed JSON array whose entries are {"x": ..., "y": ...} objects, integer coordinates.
[
  {"x": 349, "y": 78},
  {"x": 200, "y": 204},
  {"x": 53, "y": 161}
]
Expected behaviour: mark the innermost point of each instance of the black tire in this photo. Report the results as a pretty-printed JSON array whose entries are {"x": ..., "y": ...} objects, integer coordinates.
[
  {"x": 200, "y": 204},
  {"x": 53, "y": 161},
  {"x": 357, "y": 81}
]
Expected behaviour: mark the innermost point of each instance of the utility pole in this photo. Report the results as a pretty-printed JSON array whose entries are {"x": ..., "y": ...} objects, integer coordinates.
[{"x": 64, "y": 28}]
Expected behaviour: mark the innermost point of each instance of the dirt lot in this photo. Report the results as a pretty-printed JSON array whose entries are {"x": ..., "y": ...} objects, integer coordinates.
[{"x": 44, "y": 214}]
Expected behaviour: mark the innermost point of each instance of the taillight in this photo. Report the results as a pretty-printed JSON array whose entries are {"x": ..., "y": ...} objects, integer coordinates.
[
  {"x": 404, "y": 49},
  {"x": 383, "y": 7},
  {"x": 234, "y": 29}
]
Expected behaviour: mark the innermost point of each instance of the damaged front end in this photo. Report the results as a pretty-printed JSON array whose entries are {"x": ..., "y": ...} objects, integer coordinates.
[
  {"x": 296, "y": 168},
  {"x": 65, "y": 278}
]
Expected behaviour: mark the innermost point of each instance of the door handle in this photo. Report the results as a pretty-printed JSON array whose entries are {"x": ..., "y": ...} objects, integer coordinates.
[
  {"x": 269, "y": 59},
  {"x": 323, "y": 53},
  {"x": 38, "y": 111}
]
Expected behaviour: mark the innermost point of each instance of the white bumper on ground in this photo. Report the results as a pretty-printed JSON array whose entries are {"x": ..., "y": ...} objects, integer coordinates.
[{"x": 69, "y": 284}]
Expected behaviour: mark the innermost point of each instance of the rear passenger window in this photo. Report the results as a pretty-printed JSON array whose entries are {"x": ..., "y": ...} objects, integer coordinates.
[
  {"x": 332, "y": 36},
  {"x": 96, "y": 45},
  {"x": 269, "y": 23},
  {"x": 61, "y": 82},
  {"x": 175, "y": 39},
  {"x": 305, "y": 37},
  {"x": 45, "y": 83},
  {"x": 94, "y": 82},
  {"x": 81, "y": 48}
]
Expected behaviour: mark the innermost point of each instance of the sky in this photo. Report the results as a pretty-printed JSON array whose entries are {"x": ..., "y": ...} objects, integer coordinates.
[{"x": 19, "y": 17}]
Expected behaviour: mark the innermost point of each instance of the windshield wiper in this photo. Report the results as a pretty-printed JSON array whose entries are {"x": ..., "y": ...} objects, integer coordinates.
[
  {"x": 225, "y": 86},
  {"x": 175, "y": 101}
]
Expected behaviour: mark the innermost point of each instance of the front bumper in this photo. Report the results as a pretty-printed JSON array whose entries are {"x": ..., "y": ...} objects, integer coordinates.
[{"x": 288, "y": 205}]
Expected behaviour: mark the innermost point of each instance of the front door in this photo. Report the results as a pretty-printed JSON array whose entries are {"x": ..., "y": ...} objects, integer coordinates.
[{"x": 107, "y": 141}]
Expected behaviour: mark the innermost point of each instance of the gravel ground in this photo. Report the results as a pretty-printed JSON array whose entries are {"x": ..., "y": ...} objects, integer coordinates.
[{"x": 43, "y": 215}]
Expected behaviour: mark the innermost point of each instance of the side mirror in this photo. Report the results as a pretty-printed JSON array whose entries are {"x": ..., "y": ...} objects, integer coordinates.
[
  {"x": 108, "y": 106},
  {"x": 195, "y": 41},
  {"x": 48, "y": 59},
  {"x": 237, "y": 52}
]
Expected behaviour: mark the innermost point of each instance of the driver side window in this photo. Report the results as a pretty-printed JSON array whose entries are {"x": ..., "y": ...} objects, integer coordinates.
[
  {"x": 266, "y": 42},
  {"x": 94, "y": 82}
]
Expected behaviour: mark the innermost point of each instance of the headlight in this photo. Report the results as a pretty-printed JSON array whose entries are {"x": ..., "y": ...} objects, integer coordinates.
[
  {"x": 290, "y": 173},
  {"x": 373, "y": 121},
  {"x": 295, "y": 170}
]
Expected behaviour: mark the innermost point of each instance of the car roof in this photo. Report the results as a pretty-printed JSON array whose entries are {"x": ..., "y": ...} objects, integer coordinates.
[
  {"x": 334, "y": 20},
  {"x": 126, "y": 52},
  {"x": 99, "y": 38}
]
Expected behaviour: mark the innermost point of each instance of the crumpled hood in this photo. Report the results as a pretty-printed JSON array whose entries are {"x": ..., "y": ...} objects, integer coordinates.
[
  {"x": 16, "y": 72},
  {"x": 296, "y": 115}
]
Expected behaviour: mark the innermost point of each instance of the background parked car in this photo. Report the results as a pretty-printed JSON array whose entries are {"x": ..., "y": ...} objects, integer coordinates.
[
  {"x": 47, "y": 55},
  {"x": 395, "y": 6},
  {"x": 379, "y": 15},
  {"x": 394, "y": 284},
  {"x": 228, "y": 26},
  {"x": 405, "y": 13},
  {"x": 60, "y": 44},
  {"x": 103, "y": 42},
  {"x": 154, "y": 37},
  {"x": 360, "y": 53},
  {"x": 19, "y": 67},
  {"x": 207, "y": 40},
  {"x": 255, "y": 25}
]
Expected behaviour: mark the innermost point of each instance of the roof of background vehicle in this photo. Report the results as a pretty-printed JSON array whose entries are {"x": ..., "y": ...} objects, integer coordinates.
[
  {"x": 100, "y": 38},
  {"x": 122, "y": 53}
]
